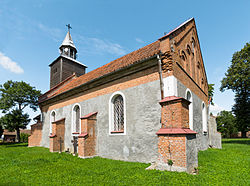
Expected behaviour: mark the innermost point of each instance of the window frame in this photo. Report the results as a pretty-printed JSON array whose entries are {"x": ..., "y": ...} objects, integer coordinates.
[
  {"x": 73, "y": 127},
  {"x": 111, "y": 114},
  {"x": 50, "y": 121},
  {"x": 204, "y": 117},
  {"x": 190, "y": 109}
]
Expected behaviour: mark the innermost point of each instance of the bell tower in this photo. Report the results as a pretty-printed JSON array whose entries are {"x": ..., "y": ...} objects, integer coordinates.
[{"x": 66, "y": 64}]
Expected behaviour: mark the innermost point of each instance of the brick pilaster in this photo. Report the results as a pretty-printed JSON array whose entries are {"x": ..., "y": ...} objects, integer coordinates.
[
  {"x": 57, "y": 136},
  {"x": 87, "y": 138},
  {"x": 175, "y": 151}
]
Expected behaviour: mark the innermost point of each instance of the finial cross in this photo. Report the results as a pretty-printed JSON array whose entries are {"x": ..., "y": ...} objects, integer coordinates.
[{"x": 69, "y": 27}]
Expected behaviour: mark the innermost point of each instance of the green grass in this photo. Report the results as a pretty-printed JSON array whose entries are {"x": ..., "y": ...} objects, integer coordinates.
[{"x": 20, "y": 165}]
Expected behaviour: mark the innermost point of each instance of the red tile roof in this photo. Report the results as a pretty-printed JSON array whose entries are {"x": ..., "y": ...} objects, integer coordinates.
[
  {"x": 83, "y": 135},
  {"x": 170, "y": 98},
  {"x": 124, "y": 61},
  {"x": 88, "y": 115},
  {"x": 175, "y": 131}
]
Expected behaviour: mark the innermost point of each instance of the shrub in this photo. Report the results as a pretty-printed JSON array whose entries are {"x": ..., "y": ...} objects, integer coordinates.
[{"x": 24, "y": 137}]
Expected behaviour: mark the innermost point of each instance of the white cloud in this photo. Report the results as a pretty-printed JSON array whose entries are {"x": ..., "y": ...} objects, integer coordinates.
[
  {"x": 10, "y": 65},
  {"x": 99, "y": 46},
  {"x": 139, "y": 40},
  {"x": 215, "y": 109},
  {"x": 107, "y": 46}
]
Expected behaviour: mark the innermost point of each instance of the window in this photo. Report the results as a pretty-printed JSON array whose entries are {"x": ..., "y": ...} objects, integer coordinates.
[
  {"x": 117, "y": 124},
  {"x": 76, "y": 119},
  {"x": 52, "y": 119},
  {"x": 193, "y": 45},
  {"x": 190, "y": 107},
  {"x": 188, "y": 50},
  {"x": 184, "y": 60},
  {"x": 204, "y": 117}
]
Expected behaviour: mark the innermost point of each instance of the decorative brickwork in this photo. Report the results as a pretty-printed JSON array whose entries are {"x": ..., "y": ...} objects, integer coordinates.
[
  {"x": 36, "y": 135},
  {"x": 87, "y": 138},
  {"x": 57, "y": 137}
]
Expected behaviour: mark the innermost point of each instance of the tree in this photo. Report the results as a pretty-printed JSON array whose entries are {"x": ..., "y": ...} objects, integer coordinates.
[
  {"x": 1, "y": 129},
  {"x": 14, "y": 98},
  {"x": 226, "y": 124},
  {"x": 238, "y": 80},
  {"x": 211, "y": 93},
  {"x": 15, "y": 120}
]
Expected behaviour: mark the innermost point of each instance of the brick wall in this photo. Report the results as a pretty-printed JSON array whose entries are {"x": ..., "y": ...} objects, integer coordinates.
[
  {"x": 36, "y": 135},
  {"x": 174, "y": 135},
  {"x": 174, "y": 114},
  {"x": 173, "y": 148}
]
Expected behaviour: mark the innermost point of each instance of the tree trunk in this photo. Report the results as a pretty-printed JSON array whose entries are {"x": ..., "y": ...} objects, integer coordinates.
[
  {"x": 18, "y": 135},
  {"x": 243, "y": 134}
]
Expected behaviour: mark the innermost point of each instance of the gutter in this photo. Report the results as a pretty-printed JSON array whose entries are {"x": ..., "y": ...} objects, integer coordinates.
[{"x": 160, "y": 75}]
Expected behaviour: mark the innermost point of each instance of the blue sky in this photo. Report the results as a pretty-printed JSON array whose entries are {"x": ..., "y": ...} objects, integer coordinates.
[{"x": 31, "y": 32}]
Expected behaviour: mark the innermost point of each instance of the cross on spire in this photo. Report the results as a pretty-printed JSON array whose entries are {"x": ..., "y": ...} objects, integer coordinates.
[{"x": 69, "y": 27}]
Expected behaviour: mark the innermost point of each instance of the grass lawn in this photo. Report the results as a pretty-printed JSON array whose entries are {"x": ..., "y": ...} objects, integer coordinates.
[{"x": 20, "y": 165}]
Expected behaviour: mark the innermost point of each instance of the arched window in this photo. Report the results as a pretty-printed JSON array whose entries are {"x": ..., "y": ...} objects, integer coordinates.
[
  {"x": 188, "y": 50},
  {"x": 189, "y": 63},
  {"x": 184, "y": 60},
  {"x": 76, "y": 119},
  {"x": 189, "y": 97},
  {"x": 193, "y": 45},
  {"x": 117, "y": 114},
  {"x": 198, "y": 73},
  {"x": 204, "y": 117},
  {"x": 52, "y": 119}
]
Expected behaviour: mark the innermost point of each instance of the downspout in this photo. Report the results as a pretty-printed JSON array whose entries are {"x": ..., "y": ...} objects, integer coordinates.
[{"x": 160, "y": 75}]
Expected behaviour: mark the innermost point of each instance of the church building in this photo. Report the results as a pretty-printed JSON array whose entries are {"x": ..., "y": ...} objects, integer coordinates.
[{"x": 150, "y": 105}]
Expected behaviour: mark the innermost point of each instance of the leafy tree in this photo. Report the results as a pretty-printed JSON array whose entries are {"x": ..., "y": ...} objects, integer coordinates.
[
  {"x": 24, "y": 137},
  {"x": 211, "y": 93},
  {"x": 238, "y": 80},
  {"x": 226, "y": 124},
  {"x": 15, "y": 120},
  {"x": 14, "y": 98},
  {"x": 1, "y": 129}
]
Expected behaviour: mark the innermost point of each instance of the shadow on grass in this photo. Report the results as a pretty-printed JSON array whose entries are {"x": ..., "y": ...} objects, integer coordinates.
[
  {"x": 244, "y": 141},
  {"x": 14, "y": 144}
]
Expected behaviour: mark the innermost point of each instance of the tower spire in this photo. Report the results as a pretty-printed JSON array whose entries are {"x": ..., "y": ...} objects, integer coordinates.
[{"x": 67, "y": 47}]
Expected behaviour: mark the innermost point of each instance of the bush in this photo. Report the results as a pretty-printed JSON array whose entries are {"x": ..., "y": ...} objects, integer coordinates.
[{"x": 24, "y": 137}]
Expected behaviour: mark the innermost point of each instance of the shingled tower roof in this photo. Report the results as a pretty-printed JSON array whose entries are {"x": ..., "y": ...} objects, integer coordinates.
[{"x": 68, "y": 41}]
